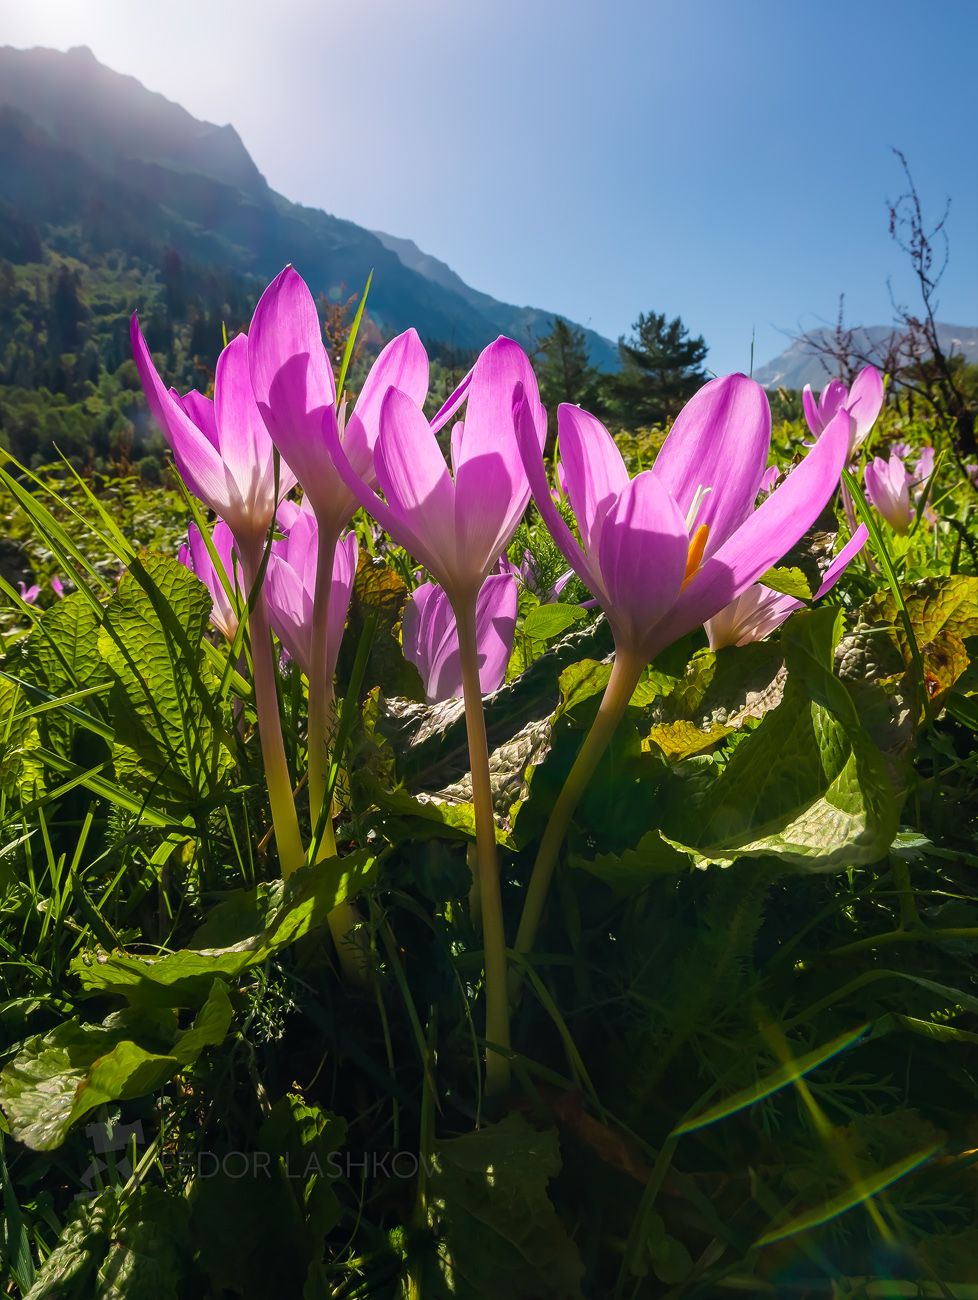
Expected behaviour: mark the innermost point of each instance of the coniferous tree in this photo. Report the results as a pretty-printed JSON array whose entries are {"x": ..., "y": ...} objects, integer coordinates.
[
  {"x": 565, "y": 372},
  {"x": 661, "y": 368}
]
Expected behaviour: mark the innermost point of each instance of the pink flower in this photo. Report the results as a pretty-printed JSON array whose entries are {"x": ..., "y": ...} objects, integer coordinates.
[
  {"x": 667, "y": 550},
  {"x": 429, "y": 635},
  {"x": 863, "y": 402},
  {"x": 290, "y": 587},
  {"x": 195, "y": 555},
  {"x": 769, "y": 480},
  {"x": 759, "y": 611},
  {"x": 296, "y": 394},
  {"x": 457, "y": 524},
  {"x": 221, "y": 448},
  {"x": 887, "y": 486}
]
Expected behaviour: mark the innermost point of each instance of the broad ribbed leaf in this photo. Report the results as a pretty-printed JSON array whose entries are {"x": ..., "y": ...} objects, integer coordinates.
[
  {"x": 168, "y": 729},
  {"x": 807, "y": 786},
  {"x": 184, "y": 978},
  {"x": 501, "y": 1235},
  {"x": 58, "y": 1077}
]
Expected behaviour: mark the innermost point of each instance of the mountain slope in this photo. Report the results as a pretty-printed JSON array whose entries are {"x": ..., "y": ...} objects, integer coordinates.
[
  {"x": 519, "y": 322},
  {"x": 75, "y": 133},
  {"x": 800, "y": 363}
]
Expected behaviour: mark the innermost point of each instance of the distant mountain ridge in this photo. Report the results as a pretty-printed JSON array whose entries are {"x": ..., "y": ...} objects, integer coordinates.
[
  {"x": 77, "y": 137},
  {"x": 800, "y": 363}
]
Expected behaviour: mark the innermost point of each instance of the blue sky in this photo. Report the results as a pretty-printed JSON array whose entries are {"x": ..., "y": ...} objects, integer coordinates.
[{"x": 726, "y": 160}]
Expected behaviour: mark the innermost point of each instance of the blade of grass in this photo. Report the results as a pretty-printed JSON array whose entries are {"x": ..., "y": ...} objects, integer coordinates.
[{"x": 352, "y": 338}]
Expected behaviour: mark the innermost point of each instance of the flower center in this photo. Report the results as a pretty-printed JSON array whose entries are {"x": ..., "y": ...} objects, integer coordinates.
[
  {"x": 694, "y": 557},
  {"x": 698, "y": 498}
]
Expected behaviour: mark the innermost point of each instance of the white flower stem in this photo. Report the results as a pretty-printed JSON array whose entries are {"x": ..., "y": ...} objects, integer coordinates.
[
  {"x": 343, "y": 919},
  {"x": 487, "y": 863},
  {"x": 625, "y": 674},
  {"x": 284, "y": 819}
]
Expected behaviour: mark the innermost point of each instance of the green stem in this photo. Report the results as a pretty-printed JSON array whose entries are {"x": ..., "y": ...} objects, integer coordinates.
[
  {"x": 625, "y": 673},
  {"x": 320, "y": 681},
  {"x": 284, "y": 819},
  {"x": 343, "y": 919},
  {"x": 909, "y": 916},
  {"x": 490, "y": 895}
]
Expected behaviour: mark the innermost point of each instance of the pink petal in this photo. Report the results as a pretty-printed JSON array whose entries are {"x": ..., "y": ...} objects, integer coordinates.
[
  {"x": 286, "y": 514},
  {"x": 810, "y": 407},
  {"x": 771, "y": 530},
  {"x": 865, "y": 401},
  {"x": 246, "y": 448},
  {"x": 842, "y": 561},
  {"x": 403, "y": 364},
  {"x": 361, "y": 492},
  {"x": 537, "y": 476},
  {"x": 201, "y": 411},
  {"x": 495, "y": 627},
  {"x": 293, "y": 383},
  {"x": 289, "y": 610},
  {"x": 489, "y": 403},
  {"x": 833, "y": 395},
  {"x": 755, "y": 614},
  {"x": 449, "y": 407},
  {"x": 720, "y": 441},
  {"x": 224, "y": 615},
  {"x": 887, "y": 486},
  {"x": 643, "y": 554},
  {"x": 455, "y": 445},
  {"x": 490, "y": 482},
  {"x": 197, "y": 460},
  {"x": 429, "y": 637},
  {"x": 594, "y": 472},
  {"x": 412, "y": 474}
]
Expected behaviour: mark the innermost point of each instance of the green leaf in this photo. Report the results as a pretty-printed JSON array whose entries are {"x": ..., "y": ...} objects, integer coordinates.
[
  {"x": 185, "y": 978},
  {"x": 807, "y": 786},
  {"x": 545, "y": 622},
  {"x": 488, "y": 1196},
  {"x": 943, "y": 613},
  {"x": 429, "y": 742},
  {"x": 115, "y": 1248},
  {"x": 726, "y": 688},
  {"x": 789, "y": 582},
  {"x": 780, "y": 1078},
  {"x": 810, "y": 555},
  {"x": 210, "y": 1026},
  {"x": 21, "y": 770},
  {"x": 860, "y": 1191},
  {"x": 682, "y": 739},
  {"x": 58, "y": 1077},
  {"x": 63, "y": 657},
  {"x": 671, "y": 1261},
  {"x": 69, "y": 1270},
  {"x": 581, "y": 682},
  {"x": 168, "y": 729},
  {"x": 260, "y": 1219},
  {"x": 38, "y": 1087},
  {"x": 633, "y": 870},
  {"x": 421, "y": 817},
  {"x": 149, "y": 1253}
]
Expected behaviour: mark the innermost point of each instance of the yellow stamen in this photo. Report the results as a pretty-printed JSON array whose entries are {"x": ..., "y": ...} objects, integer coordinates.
[{"x": 695, "y": 557}]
